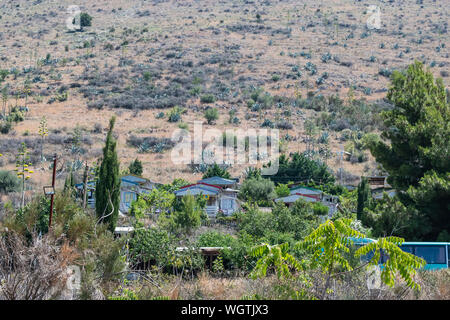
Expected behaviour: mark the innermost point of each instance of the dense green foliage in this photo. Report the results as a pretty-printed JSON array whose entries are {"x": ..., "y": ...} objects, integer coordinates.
[
  {"x": 211, "y": 115},
  {"x": 281, "y": 224},
  {"x": 157, "y": 201},
  {"x": 258, "y": 190},
  {"x": 274, "y": 257},
  {"x": 417, "y": 128},
  {"x": 107, "y": 191},
  {"x": 330, "y": 242},
  {"x": 8, "y": 181},
  {"x": 417, "y": 156},
  {"x": 216, "y": 171},
  {"x": 235, "y": 253},
  {"x": 301, "y": 168},
  {"x": 136, "y": 168},
  {"x": 364, "y": 197},
  {"x": 85, "y": 20},
  {"x": 388, "y": 216},
  {"x": 187, "y": 216},
  {"x": 431, "y": 199},
  {"x": 282, "y": 190},
  {"x": 151, "y": 246}
]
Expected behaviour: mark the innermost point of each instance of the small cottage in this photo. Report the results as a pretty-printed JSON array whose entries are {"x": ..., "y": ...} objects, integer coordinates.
[
  {"x": 220, "y": 196},
  {"x": 311, "y": 195},
  {"x": 130, "y": 187}
]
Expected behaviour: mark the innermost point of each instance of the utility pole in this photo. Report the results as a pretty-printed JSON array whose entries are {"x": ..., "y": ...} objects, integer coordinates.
[{"x": 53, "y": 194}]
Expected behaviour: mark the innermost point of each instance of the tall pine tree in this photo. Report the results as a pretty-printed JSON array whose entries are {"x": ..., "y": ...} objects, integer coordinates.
[
  {"x": 416, "y": 155},
  {"x": 108, "y": 183}
]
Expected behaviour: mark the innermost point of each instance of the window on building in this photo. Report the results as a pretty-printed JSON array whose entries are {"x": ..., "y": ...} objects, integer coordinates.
[{"x": 431, "y": 254}]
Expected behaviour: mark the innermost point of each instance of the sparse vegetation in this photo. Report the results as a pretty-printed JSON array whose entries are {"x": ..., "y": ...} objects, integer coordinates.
[{"x": 341, "y": 94}]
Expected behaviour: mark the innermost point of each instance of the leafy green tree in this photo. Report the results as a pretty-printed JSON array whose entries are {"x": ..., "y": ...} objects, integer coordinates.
[
  {"x": 307, "y": 217},
  {"x": 417, "y": 153},
  {"x": 431, "y": 199},
  {"x": 283, "y": 218},
  {"x": 255, "y": 222},
  {"x": 282, "y": 224},
  {"x": 330, "y": 246},
  {"x": 158, "y": 200},
  {"x": 282, "y": 190},
  {"x": 136, "y": 167},
  {"x": 417, "y": 128},
  {"x": 389, "y": 217},
  {"x": 186, "y": 219},
  {"x": 259, "y": 190},
  {"x": 214, "y": 239},
  {"x": 301, "y": 168},
  {"x": 216, "y": 170},
  {"x": 151, "y": 247},
  {"x": 399, "y": 261},
  {"x": 235, "y": 252},
  {"x": 211, "y": 115},
  {"x": 320, "y": 209},
  {"x": 107, "y": 192},
  {"x": 274, "y": 257},
  {"x": 85, "y": 20},
  {"x": 175, "y": 185},
  {"x": 252, "y": 173}
]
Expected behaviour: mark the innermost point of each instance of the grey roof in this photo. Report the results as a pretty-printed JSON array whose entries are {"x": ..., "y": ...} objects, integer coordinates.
[
  {"x": 390, "y": 193},
  {"x": 305, "y": 190},
  {"x": 134, "y": 179},
  {"x": 218, "y": 181},
  {"x": 294, "y": 197},
  {"x": 197, "y": 189}
]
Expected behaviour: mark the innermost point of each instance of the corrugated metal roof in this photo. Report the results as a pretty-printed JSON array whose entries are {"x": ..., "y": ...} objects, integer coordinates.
[
  {"x": 218, "y": 181},
  {"x": 294, "y": 197},
  {"x": 305, "y": 190},
  {"x": 196, "y": 190},
  {"x": 390, "y": 193}
]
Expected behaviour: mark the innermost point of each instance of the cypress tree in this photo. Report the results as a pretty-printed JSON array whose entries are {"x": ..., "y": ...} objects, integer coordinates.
[
  {"x": 364, "y": 198},
  {"x": 108, "y": 182}
]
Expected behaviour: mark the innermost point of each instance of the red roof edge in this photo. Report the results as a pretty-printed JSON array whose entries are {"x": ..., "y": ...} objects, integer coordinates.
[
  {"x": 308, "y": 195},
  {"x": 206, "y": 184}
]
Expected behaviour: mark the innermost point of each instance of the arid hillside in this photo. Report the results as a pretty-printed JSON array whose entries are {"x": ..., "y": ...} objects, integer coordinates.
[{"x": 159, "y": 65}]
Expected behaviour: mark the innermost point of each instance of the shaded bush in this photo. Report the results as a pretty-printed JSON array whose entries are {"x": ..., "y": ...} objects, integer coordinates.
[
  {"x": 8, "y": 181},
  {"x": 208, "y": 98},
  {"x": 147, "y": 144}
]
